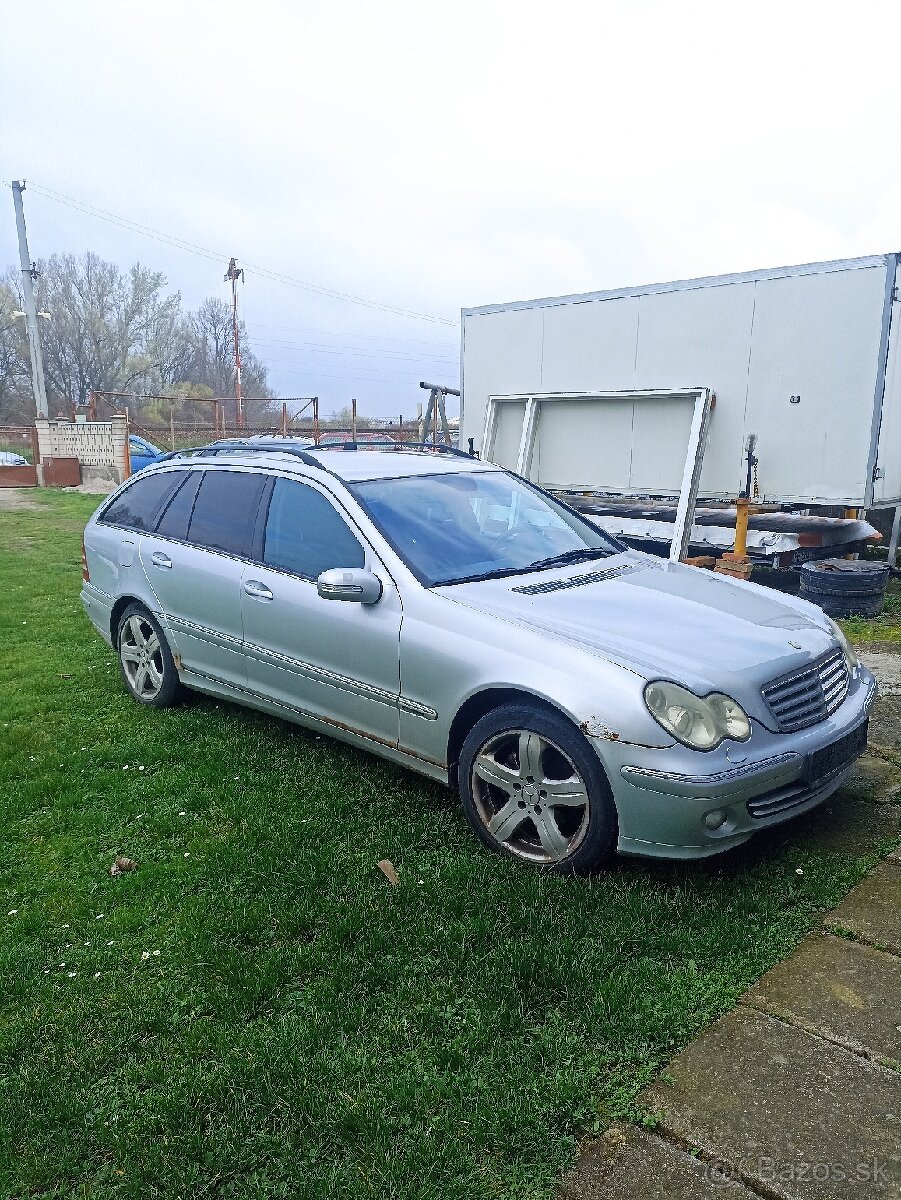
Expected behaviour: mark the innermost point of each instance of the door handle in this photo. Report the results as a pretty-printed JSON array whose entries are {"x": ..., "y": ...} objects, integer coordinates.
[
  {"x": 258, "y": 590},
  {"x": 159, "y": 559}
]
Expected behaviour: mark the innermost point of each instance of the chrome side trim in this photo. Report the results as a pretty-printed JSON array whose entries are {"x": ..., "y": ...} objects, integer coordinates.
[
  {"x": 769, "y": 773},
  {"x": 415, "y": 709},
  {"x": 312, "y": 717},
  {"x": 299, "y": 667},
  {"x": 192, "y": 627}
]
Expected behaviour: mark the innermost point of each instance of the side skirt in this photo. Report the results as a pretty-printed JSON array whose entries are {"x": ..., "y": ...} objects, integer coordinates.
[{"x": 344, "y": 733}]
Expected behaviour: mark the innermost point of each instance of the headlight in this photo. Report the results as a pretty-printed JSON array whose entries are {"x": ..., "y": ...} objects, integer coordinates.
[
  {"x": 699, "y": 722},
  {"x": 850, "y": 656}
]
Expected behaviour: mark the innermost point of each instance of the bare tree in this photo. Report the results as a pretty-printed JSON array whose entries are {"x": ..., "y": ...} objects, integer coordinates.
[
  {"x": 15, "y": 374},
  {"x": 121, "y": 332},
  {"x": 213, "y": 366},
  {"x": 107, "y": 330}
]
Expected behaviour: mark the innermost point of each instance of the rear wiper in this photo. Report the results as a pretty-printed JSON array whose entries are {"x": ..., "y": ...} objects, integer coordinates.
[{"x": 572, "y": 556}]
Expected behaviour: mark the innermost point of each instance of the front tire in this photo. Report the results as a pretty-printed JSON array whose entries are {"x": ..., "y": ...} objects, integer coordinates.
[
  {"x": 145, "y": 659},
  {"x": 533, "y": 788}
]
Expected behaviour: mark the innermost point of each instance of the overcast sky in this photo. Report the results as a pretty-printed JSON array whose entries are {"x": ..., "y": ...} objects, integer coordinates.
[{"x": 430, "y": 157}]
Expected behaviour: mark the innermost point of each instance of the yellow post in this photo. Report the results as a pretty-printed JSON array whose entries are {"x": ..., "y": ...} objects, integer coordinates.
[
  {"x": 736, "y": 561},
  {"x": 852, "y": 514},
  {"x": 741, "y": 527}
]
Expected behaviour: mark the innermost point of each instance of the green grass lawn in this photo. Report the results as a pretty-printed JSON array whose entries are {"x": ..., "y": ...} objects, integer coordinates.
[{"x": 256, "y": 1011}]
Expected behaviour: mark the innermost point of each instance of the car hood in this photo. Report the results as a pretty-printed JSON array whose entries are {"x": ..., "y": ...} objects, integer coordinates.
[{"x": 661, "y": 619}]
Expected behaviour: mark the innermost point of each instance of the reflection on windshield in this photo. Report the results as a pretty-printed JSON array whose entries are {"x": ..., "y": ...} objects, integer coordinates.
[{"x": 455, "y": 527}]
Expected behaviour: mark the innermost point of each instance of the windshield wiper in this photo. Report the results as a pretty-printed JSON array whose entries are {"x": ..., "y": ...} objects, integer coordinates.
[
  {"x": 572, "y": 556},
  {"x": 497, "y": 573},
  {"x": 558, "y": 560}
]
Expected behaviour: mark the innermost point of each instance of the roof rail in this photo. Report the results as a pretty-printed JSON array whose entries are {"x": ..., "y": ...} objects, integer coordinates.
[
  {"x": 242, "y": 447},
  {"x": 389, "y": 444},
  {"x": 238, "y": 446}
]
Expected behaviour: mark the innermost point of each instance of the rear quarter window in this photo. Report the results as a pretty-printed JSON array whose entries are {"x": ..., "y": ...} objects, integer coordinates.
[{"x": 140, "y": 504}]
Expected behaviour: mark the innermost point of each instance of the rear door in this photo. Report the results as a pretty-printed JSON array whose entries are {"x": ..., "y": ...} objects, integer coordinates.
[
  {"x": 195, "y": 561},
  {"x": 335, "y": 660}
]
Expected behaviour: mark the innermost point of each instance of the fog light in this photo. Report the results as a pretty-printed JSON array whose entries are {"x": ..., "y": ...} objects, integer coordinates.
[{"x": 715, "y": 819}]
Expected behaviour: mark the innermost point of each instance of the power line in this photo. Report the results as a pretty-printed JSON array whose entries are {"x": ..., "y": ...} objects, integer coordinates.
[
  {"x": 372, "y": 374},
  {"x": 350, "y": 351},
  {"x": 362, "y": 337},
  {"x": 179, "y": 243}
]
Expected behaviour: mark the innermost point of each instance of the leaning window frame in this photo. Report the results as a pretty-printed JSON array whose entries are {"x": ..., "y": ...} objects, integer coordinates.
[{"x": 704, "y": 400}]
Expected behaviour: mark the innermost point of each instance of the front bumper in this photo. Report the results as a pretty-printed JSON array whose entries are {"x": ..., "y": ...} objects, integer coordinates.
[{"x": 665, "y": 805}]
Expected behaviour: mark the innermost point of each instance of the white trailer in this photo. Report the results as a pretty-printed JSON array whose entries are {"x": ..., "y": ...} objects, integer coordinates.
[{"x": 603, "y": 392}]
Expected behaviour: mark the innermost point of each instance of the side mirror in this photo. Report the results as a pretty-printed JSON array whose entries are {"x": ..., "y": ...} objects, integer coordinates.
[{"x": 356, "y": 584}]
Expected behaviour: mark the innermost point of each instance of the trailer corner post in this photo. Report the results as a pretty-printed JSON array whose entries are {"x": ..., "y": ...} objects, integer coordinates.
[
  {"x": 691, "y": 478},
  {"x": 893, "y": 540}
]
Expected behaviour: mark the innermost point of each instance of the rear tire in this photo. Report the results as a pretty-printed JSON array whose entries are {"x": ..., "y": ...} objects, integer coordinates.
[
  {"x": 534, "y": 789},
  {"x": 145, "y": 659}
]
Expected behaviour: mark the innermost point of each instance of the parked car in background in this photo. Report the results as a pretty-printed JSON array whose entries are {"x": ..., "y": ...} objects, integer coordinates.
[
  {"x": 142, "y": 452},
  {"x": 9, "y": 458},
  {"x": 444, "y": 613}
]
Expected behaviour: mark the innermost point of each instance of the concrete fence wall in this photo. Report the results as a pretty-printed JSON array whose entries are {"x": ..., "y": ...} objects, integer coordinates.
[{"x": 100, "y": 446}]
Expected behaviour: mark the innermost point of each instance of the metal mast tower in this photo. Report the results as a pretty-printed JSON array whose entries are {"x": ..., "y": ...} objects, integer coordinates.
[{"x": 233, "y": 275}]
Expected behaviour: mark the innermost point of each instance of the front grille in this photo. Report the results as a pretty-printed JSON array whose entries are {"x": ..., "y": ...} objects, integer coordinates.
[
  {"x": 806, "y": 697},
  {"x": 557, "y": 585}
]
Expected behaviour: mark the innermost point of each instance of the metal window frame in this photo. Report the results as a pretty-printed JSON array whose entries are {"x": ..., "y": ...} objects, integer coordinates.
[{"x": 703, "y": 400}]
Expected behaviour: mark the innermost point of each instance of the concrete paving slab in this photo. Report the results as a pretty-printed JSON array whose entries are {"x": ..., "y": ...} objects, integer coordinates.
[
  {"x": 873, "y": 910},
  {"x": 873, "y": 779},
  {"x": 629, "y": 1163},
  {"x": 840, "y": 989},
  {"x": 885, "y": 723},
  {"x": 851, "y": 827},
  {"x": 886, "y": 666},
  {"x": 798, "y": 1116}
]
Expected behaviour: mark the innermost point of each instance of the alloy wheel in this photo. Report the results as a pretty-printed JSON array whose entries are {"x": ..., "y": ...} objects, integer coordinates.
[
  {"x": 530, "y": 796},
  {"x": 142, "y": 657}
]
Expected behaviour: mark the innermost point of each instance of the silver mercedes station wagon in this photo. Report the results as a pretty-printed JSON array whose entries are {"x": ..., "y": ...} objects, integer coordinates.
[{"x": 581, "y": 697}]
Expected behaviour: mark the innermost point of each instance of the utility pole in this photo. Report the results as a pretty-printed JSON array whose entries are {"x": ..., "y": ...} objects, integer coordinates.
[
  {"x": 234, "y": 274},
  {"x": 29, "y": 275}
]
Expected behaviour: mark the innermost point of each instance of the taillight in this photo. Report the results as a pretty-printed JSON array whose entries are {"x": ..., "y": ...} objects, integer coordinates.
[{"x": 85, "y": 573}]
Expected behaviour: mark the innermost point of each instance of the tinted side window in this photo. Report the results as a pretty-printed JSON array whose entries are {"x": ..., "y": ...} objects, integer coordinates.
[
  {"x": 225, "y": 510},
  {"x": 177, "y": 513},
  {"x": 139, "y": 504},
  {"x": 305, "y": 534}
]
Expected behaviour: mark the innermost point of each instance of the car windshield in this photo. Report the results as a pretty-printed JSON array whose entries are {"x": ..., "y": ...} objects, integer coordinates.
[{"x": 474, "y": 525}]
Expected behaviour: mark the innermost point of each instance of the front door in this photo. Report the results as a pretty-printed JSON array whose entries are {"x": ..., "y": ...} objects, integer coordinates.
[{"x": 334, "y": 660}]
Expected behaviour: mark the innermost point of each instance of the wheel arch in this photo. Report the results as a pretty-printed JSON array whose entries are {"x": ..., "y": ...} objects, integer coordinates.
[
  {"x": 485, "y": 701},
  {"x": 124, "y": 602},
  {"x": 116, "y": 613}
]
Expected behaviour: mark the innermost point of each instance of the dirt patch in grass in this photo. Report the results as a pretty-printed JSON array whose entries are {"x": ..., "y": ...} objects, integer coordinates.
[{"x": 16, "y": 499}]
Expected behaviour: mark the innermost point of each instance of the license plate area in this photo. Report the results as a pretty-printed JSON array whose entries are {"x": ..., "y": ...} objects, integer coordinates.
[{"x": 833, "y": 758}]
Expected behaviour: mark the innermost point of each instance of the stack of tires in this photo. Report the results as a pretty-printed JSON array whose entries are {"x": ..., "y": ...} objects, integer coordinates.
[{"x": 845, "y": 587}]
